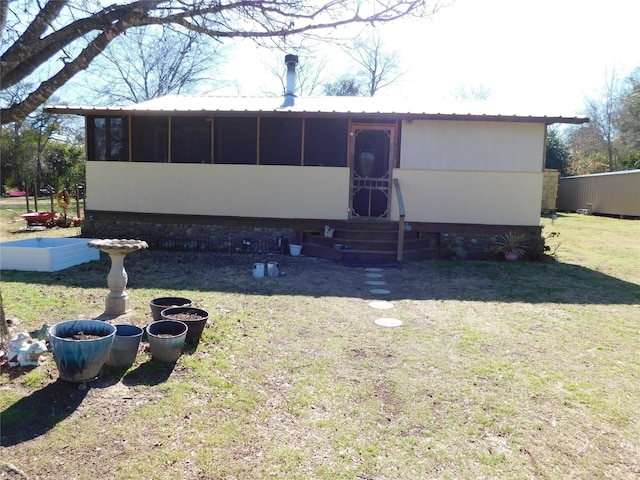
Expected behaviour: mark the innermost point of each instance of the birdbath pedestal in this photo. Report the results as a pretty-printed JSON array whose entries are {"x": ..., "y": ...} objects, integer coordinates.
[{"x": 117, "y": 301}]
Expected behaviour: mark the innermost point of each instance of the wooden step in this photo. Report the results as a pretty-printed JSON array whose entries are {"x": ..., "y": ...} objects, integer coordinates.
[{"x": 370, "y": 241}]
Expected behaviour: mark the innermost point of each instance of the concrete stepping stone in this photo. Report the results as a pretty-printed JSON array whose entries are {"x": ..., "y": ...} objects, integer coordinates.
[
  {"x": 374, "y": 269},
  {"x": 374, "y": 275},
  {"x": 376, "y": 283},
  {"x": 381, "y": 305},
  {"x": 380, "y": 291},
  {"x": 388, "y": 322}
]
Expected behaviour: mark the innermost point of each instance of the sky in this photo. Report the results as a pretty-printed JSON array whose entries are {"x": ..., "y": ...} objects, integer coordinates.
[{"x": 544, "y": 56}]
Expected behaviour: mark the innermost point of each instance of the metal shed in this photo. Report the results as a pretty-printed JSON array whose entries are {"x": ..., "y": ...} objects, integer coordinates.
[{"x": 614, "y": 193}]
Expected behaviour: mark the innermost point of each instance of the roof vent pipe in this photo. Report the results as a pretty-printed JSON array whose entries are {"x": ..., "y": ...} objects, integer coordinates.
[{"x": 289, "y": 94}]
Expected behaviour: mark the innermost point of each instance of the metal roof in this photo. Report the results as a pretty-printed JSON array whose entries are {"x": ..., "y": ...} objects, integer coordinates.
[
  {"x": 401, "y": 108},
  {"x": 604, "y": 174}
]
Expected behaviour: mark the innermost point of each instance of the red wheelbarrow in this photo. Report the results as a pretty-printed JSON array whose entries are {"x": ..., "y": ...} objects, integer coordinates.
[{"x": 39, "y": 218}]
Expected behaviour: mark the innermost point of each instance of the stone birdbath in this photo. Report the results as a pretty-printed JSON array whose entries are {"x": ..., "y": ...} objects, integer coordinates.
[{"x": 117, "y": 301}]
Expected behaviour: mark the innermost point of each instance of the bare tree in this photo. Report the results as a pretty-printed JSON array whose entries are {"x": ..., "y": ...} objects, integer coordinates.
[
  {"x": 345, "y": 86},
  {"x": 473, "y": 92},
  {"x": 4, "y": 10},
  {"x": 628, "y": 120},
  {"x": 74, "y": 32},
  {"x": 602, "y": 111},
  {"x": 150, "y": 62},
  {"x": 310, "y": 72},
  {"x": 379, "y": 67}
]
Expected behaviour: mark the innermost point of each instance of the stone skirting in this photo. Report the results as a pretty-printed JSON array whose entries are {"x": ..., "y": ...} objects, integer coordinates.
[{"x": 255, "y": 235}]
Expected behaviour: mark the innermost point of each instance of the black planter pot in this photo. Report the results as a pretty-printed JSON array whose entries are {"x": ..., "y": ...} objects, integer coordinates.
[
  {"x": 194, "y": 318},
  {"x": 159, "y": 304}
]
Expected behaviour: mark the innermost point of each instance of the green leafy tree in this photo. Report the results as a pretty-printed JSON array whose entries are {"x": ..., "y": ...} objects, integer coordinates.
[
  {"x": 64, "y": 165},
  {"x": 557, "y": 152},
  {"x": 19, "y": 151},
  {"x": 31, "y": 156}
]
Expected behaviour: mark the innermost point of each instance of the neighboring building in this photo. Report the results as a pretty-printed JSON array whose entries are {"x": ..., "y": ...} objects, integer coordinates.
[
  {"x": 550, "y": 190},
  {"x": 614, "y": 193},
  {"x": 236, "y": 174}
]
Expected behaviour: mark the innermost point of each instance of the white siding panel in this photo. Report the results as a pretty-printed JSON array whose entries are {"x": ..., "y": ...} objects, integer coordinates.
[
  {"x": 490, "y": 198},
  {"x": 480, "y": 146},
  {"x": 227, "y": 190}
]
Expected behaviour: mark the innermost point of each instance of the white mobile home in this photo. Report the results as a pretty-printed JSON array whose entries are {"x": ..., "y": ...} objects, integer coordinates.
[{"x": 229, "y": 173}]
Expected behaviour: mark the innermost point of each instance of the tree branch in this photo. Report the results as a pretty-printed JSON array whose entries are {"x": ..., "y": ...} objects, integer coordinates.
[{"x": 215, "y": 18}]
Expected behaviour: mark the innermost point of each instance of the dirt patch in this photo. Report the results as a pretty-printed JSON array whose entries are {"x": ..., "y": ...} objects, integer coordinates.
[
  {"x": 185, "y": 316},
  {"x": 83, "y": 336}
]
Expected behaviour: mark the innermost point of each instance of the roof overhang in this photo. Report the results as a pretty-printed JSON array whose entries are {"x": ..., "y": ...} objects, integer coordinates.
[{"x": 334, "y": 107}]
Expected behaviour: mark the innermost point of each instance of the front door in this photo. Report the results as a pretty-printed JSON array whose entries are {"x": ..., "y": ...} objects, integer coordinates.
[{"x": 371, "y": 155}]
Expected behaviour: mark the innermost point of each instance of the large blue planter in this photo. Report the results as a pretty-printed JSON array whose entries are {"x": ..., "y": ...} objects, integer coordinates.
[{"x": 80, "y": 360}]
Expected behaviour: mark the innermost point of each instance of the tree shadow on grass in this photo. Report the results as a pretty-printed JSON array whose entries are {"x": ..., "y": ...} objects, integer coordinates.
[
  {"x": 39, "y": 412},
  {"x": 532, "y": 282},
  {"x": 36, "y": 414},
  {"x": 149, "y": 373}
]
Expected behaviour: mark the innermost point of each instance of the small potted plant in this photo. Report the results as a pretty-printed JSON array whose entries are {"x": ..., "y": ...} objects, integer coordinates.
[{"x": 513, "y": 245}]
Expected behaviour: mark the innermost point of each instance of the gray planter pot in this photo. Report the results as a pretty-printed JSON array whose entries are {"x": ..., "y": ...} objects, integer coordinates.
[
  {"x": 166, "y": 339},
  {"x": 124, "y": 349}
]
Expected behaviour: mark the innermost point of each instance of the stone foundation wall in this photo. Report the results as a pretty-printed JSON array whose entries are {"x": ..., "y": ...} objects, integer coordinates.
[
  {"x": 482, "y": 246},
  {"x": 233, "y": 235},
  {"x": 175, "y": 236},
  {"x": 467, "y": 246}
]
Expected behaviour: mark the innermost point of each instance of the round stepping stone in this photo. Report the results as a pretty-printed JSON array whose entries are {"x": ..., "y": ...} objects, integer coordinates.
[
  {"x": 374, "y": 269},
  {"x": 381, "y": 304},
  {"x": 374, "y": 275},
  {"x": 380, "y": 291},
  {"x": 376, "y": 282},
  {"x": 388, "y": 322}
]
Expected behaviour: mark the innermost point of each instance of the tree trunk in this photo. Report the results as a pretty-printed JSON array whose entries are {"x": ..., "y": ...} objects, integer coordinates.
[{"x": 4, "y": 329}]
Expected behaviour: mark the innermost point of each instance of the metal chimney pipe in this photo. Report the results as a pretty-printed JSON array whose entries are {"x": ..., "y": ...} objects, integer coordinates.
[{"x": 289, "y": 94}]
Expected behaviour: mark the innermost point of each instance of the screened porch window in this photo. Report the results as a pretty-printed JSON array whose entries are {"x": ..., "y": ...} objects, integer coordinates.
[
  {"x": 235, "y": 140},
  {"x": 107, "y": 139},
  {"x": 190, "y": 140},
  {"x": 280, "y": 141},
  {"x": 150, "y": 139},
  {"x": 325, "y": 142}
]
